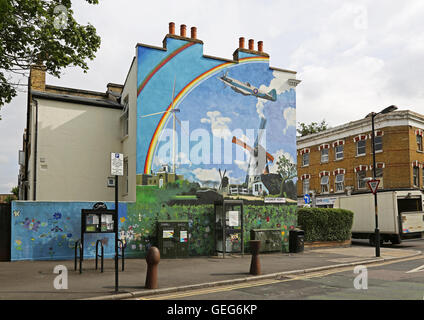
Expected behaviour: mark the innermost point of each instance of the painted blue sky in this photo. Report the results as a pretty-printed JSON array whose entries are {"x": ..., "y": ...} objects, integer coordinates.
[{"x": 212, "y": 104}]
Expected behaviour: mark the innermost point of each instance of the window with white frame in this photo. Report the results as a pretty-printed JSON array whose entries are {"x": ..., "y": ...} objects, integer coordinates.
[
  {"x": 305, "y": 183},
  {"x": 339, "y": 182},
  {"x": 361, "y": 147},
  {"x": 325, "y": 182},
  {"x": 125, "y": 118},
  {"x": 423, "y": 176},
  {"x": 338, "y": 150},
  {"x": 378, "y": 143},
  {"x": 324, "y": 155},
  {"x": 305, "y": 159},
  {"x": 360, "y": 178},
  {"x": 416, "y": 176},
  {"x": 419, "y": 143}
]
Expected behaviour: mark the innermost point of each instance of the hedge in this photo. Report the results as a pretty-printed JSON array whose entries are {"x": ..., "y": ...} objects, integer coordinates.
[{"x": 325, "y": 224}]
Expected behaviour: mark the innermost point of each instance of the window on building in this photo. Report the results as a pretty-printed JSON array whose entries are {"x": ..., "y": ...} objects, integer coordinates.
[
  {"x": 360, "y": 178},
  {"x": 305, "y": 186},
  {"x": 339, "y": 181},
  {"x": 125, "y": 118},
  {"x": 419, "y": 143},
  {"x": 379, "y": 176},
  {"x": 361, "y": 147},
  {"x": 324, "y": 155},
  {"x": 378, "y": 143},
  {"x": 305, "y": 159},
  {"x": 416, "y": 176},
  {"x": 338, "y": 152},
  {"x": 325, "y": 181}
]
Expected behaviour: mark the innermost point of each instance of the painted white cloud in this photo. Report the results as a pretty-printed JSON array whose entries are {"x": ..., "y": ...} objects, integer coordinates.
[
  {"x": 219, "y": 124},
  {"x": 289, "y": 115},
  {"x": 207, "y": 174},
  {"x": 279, "y": 83},
  {"x": 273, "y": 167}
]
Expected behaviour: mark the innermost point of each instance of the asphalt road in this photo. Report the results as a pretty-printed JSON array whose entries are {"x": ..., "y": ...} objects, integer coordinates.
[{"x": 399, "y": 280}]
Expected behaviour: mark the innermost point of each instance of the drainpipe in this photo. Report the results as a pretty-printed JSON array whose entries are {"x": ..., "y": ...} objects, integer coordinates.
[
  {"x": 35, "y": 150},
  {"x": 27, "y": 140}
]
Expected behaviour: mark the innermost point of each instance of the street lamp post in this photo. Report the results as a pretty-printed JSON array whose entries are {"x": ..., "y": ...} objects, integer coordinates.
[{"x": 377, "y": 231}]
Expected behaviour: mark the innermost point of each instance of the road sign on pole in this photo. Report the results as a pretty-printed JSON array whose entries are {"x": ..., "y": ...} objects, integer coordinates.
[
  {"x": 117, "y": 164},
  {"x": 307, "y": 198},
  {"x": 373, "y": 185}
]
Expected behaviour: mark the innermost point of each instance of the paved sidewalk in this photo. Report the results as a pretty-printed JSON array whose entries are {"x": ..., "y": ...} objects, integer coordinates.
[{"x": 34, "y": 279}]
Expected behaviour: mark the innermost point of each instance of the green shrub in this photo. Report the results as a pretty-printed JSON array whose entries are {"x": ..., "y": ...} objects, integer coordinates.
[{"x": 325, "y": 224}]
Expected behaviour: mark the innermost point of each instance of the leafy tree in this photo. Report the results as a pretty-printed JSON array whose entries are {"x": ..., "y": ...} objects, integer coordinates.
[
  {"x": 41, "y": 32},
  {"x": 287, "y": 170},
  {"x": 314, "y": 127},
  {"x": 15, "y": 191}
]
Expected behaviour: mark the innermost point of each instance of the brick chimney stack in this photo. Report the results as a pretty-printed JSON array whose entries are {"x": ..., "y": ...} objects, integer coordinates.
[
  {"x": 260, "y": 46},
  {"x": 251, "y": 44},
  {"x": 37, "y": 76},
  {"x": 183, "y": 29},
  {"x": 241, "y": 43},
  {"x": 193, "y": 32},
  {"x": 171, "y": 28}
]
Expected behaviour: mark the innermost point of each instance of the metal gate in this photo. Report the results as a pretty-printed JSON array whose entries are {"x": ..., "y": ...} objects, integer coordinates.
[{"x": 5, "y": 231}]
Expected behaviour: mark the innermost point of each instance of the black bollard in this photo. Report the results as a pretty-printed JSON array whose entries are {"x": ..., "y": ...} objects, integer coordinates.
[{"x": 255, "y": 265}]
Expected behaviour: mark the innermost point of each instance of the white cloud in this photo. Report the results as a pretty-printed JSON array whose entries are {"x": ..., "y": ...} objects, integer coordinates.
[
  {"x": 3, "y": 159},
  {"x": 273, "y": 167},
  {"x": 219, "y": 124},
  {"x": 290, "y": 117},
  {"x": 207, "y": 174}
]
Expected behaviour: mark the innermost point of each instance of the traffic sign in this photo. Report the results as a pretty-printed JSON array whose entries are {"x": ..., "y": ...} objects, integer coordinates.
[
  {"x": 373, "y": 185},
  {"x": 117, "y": 164},
  {"x": 307, "y": 198}
]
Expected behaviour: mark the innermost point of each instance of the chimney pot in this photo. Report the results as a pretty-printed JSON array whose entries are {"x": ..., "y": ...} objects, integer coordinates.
[
  {"x": 183, "y": 29},
  {"x": 260, "y": 46},
  {"x": 171, "y": 28},
  {"x": 241, "y": 43},
  {"x": 193, "y": 32},
  {"x": 251, "y": 44}
]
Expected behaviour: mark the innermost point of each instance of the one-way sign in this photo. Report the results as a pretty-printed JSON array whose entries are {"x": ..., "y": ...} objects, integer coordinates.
[{"x": 373, "y": 185}]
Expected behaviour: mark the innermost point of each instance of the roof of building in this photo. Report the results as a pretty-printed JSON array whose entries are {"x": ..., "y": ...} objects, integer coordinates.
[
  {"x": 347, "y": 129},
  {"x": 98, "y": 102}
]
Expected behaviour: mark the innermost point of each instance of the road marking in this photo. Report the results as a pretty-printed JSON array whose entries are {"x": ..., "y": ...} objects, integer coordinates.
[
  {"x": 268, "y": 282},
  {"x": 421, "y": 268}
]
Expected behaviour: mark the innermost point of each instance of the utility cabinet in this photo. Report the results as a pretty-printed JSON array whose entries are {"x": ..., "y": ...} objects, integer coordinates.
[
  {"x": 173, "y": 239},
  {"x": 271, "y": 240}
]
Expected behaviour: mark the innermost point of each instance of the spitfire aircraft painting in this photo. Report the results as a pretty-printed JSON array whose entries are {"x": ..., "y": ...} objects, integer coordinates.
[{"x": 247, "y": 89}]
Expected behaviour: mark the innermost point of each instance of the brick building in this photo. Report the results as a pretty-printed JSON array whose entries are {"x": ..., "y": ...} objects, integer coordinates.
[{"x": 339, "y": 160}]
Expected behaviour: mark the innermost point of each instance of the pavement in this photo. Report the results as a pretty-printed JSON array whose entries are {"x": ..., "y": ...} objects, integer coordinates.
[{"x": 34, "y": 279}]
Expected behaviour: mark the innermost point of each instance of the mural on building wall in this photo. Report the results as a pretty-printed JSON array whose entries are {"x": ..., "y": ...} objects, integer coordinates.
[{"x": 207, "y": 129}]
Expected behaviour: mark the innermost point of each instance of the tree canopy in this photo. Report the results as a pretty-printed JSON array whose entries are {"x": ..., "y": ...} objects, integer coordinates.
[
  {"x": 314, "y": 127},
  {"x": 286, "y": 169},
  {"x": 41, "y": 32}
]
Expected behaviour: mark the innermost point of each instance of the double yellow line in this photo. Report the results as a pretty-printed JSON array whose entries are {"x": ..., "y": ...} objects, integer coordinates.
[{"x": 266, "y": 282}]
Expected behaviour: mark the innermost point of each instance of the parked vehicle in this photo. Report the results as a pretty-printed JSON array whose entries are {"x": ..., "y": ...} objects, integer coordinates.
[{"x": 400, "y": 215}]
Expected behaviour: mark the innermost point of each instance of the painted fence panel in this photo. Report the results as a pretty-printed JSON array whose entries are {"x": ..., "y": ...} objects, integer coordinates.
[{"x": 48, "y": 230}]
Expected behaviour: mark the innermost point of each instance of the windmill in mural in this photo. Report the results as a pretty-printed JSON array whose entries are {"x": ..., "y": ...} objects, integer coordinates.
[
  {"x": 224, "y": 180},
  {"x": 259, "y": 157}
]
